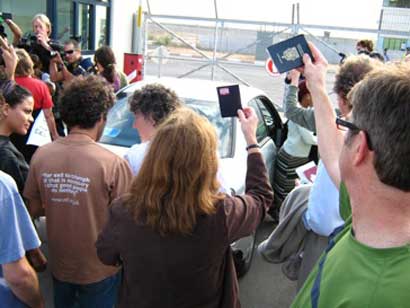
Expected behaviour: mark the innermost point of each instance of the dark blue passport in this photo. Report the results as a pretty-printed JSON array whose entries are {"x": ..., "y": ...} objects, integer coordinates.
[
  {"x": 288, "y": 54},
  {"x": 229, "y": 100}
]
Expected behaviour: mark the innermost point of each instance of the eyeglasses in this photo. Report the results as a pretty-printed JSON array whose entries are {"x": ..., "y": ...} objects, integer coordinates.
[
  {"x": 344, "y": 125},
  {"x": 69, "y": 52}
]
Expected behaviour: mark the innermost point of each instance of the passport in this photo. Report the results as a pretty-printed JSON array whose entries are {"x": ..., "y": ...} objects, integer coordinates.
[
  {"x": 229, "y": 100},
  {"x": 288, "y": 54}
]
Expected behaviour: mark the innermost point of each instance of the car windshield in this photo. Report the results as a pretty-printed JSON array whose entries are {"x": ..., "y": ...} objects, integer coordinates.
[{"x": 119, "y": 127}]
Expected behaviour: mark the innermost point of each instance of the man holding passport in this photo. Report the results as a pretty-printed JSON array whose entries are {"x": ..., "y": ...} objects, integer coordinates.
[{"x": 367, "y": 264}]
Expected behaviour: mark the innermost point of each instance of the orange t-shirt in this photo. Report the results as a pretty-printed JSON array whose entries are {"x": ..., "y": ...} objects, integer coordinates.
[{"x": 75, "y": 180}]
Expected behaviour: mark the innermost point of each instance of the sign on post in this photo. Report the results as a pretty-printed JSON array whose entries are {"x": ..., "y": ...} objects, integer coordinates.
[{"x": 271, "y": 68}]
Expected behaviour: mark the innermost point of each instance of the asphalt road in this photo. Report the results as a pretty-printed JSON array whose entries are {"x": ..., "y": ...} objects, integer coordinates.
[
  {"x": 254, "y": 75},
  {"x": 264, "y": 286}
]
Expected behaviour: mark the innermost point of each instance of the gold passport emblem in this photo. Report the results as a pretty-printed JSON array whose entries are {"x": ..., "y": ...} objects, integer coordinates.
[{"x": 290, "y": 54}]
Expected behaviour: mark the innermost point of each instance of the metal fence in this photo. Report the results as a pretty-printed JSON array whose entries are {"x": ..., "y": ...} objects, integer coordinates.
[{"x": 234, "y": 50}]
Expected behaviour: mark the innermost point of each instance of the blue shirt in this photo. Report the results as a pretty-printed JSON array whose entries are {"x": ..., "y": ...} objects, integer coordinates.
[
  {"x": 17, "y": 234},
  {"x": 323, "y": 215}
]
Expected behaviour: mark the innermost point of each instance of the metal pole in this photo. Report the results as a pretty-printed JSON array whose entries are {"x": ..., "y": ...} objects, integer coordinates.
[
  {"x": 298, "y": 13},
  {"x": 149, "y": 8},
  {"x": 138, "y": 31},
  {"x": 145, "y": 51},
  {"x": 160, "y": 56},
  {"x": 379, "y": 40},
  {"x": 215, "y": 41}
]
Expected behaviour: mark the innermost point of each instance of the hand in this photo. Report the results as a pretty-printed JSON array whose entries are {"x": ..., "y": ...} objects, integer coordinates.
[
  {"x": 249, "y": 124},
  {"x": 294, "y": 76},
  {"x": 57, "y": 59},
  {"x": 315, "y": 73},
  {"x": 42, "y": 39},
  {"x": 9, "y": 22},
  {"x": 9, "y": 56}
]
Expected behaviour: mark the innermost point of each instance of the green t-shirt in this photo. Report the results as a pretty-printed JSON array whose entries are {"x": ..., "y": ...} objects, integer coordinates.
[
  {"x": 356, "y": 275},
  {"x": 344, "y": 203}
]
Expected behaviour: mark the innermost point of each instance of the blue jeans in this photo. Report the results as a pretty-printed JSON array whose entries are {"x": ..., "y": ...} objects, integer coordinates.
[{"x": 102, "y": 294}]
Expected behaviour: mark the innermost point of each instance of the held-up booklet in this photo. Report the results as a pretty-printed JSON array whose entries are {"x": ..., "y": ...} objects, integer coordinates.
[
  {"x": 288, "y": 54},
  {"x": 307, "y": 172},
  {"x": 229, "y": 100}
]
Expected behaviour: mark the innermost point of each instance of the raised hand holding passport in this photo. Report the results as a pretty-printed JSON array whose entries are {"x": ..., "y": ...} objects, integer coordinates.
[{"x": 314, "y": 72}]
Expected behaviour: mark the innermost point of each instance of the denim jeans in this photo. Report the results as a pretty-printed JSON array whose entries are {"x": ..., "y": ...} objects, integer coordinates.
[{"x": 102, "y": 294}]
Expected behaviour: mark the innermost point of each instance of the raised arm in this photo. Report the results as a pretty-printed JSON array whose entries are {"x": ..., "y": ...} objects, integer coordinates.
[
  {"x": 244, "y": 213},
  {"x": 15, "y": 29},
  {"x": 301, "y": 116},
  {"x": 330, "y": 139},
  {"x": 9, "y": 57}
]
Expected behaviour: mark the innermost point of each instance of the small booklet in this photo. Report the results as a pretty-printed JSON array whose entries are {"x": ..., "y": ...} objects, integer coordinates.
[
  {"x": 288, "y": 54},
  {"x": 229, "y": 100},
  {"x": 307, "y": 172}
]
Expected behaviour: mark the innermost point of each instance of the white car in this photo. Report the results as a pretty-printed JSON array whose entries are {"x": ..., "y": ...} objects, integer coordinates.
[{"x": 201, "y": 96}]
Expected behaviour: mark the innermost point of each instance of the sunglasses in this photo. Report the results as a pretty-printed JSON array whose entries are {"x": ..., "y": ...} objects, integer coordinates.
[
  {"x": 69, "y": 52},
  {"x": 344, "y": 125}
]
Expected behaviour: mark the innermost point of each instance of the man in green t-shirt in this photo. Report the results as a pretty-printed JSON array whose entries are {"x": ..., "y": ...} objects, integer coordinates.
[{"x": 368, "y": 263}]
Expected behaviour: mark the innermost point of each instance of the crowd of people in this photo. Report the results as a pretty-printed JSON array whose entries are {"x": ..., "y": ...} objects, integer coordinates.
[{"x": 153, "y": 229}]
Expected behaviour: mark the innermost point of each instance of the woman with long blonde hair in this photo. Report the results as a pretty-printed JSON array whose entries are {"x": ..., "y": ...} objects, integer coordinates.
[{"x": 172, "y": 232}]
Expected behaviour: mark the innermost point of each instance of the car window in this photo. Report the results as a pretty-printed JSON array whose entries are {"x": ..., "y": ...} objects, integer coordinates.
[
  {"x": 119, "y": 127},
  {"x": 262, "y": 130}
]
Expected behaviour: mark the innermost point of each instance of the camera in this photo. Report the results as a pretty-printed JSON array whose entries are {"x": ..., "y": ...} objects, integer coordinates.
[
  {"x": 3, "y": 17},
  {"x": 56, "y": 48},
  {"x": 28, "y": 41}
]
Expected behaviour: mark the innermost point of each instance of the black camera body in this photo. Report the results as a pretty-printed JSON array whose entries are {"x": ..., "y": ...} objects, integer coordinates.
[
  {"x": 28, "y": 41},
  {"x": 3, "y": 17}
]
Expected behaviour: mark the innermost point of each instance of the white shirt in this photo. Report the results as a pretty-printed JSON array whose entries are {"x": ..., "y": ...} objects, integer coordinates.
[
  {"x": 299, "y": 140},
  {"x": 323, "y": 215},
  {"x": 135, "y": 156}
]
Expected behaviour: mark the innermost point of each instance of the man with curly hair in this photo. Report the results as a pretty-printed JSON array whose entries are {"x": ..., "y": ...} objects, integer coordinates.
[
  {"x": 72, "y": 181},
  {"x": 150, "y": 106}
]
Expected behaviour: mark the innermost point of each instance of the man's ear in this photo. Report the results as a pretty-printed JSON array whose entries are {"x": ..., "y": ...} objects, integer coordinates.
[{"x": 361, "y": 148}]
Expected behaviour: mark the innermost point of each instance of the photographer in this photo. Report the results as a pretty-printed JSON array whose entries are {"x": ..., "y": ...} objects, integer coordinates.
[
  {"x": 39, "y": 42},
  {"x": 75, "y": 64}
]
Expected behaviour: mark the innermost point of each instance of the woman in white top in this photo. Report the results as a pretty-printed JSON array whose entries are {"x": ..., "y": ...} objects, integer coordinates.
[
  {"x": 150, "y": 105},
  {"x": 295, "y": 151}
]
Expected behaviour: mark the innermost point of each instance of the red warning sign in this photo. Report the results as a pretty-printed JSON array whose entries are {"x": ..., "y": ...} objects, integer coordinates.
[{"x": 271, "y": 68}]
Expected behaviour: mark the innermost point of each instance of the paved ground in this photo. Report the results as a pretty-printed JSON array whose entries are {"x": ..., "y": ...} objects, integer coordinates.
[
  {"x": 255, "y": 75},
  {"x": 264, "y": 286}
]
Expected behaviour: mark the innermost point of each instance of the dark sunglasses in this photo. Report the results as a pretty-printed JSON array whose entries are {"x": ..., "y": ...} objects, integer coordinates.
[
  {"x": 344, "y": 125},
  {"x": 69, "y": 52}
]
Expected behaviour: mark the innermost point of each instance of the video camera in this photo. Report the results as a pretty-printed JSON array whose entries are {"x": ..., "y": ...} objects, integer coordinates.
[
  {"x": 3, "y": 17},
  {"x": 30, "y": 44}
]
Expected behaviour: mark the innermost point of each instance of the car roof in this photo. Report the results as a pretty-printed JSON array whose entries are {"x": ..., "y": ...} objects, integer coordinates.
[{"x": 195, "y": 88}]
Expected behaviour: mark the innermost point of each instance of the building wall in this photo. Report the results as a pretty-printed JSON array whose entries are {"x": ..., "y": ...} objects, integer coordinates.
[{"x": 121, "y": 28}]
